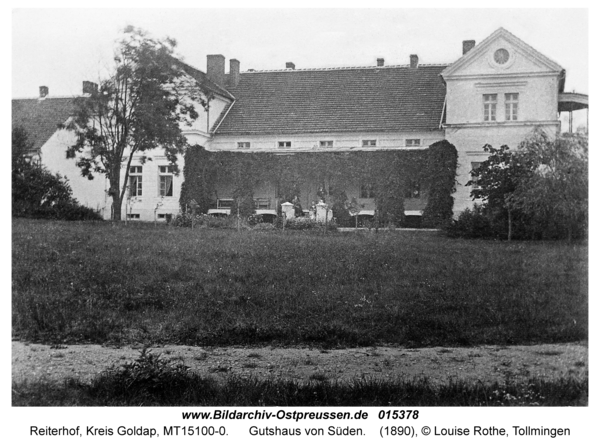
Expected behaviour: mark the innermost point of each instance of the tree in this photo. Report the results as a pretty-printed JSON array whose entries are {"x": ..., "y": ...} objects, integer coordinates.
[
  {"x": 541, "y": 187},
  {"x": 555, "y": 194},
  {"x": 141, "y": 106},
  {"x": 497, "y": 180}
]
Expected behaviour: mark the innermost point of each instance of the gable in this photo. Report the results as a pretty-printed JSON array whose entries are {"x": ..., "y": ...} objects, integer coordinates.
[{"x": 501, "y": 55}]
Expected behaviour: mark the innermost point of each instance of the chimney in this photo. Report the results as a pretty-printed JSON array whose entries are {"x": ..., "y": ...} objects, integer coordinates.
[
  {"x": 380, "y": 62},
  {"x": 89, "y": 88},
  {"x": 290, "y": 65},
  {"x": 215, "y": 68},
  {"x": 43, "y": 91},
  {"x": 468, "y": 46},
  {"x": 234, "y": 72},
  {"x": 414, "y": 61}
]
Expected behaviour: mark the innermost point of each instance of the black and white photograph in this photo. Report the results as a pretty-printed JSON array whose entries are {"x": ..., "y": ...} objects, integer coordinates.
[{"x": 360, "y": 213}]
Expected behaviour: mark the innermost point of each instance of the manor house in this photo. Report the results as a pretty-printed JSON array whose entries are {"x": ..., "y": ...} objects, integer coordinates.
[{"x": 498, "y": 92}]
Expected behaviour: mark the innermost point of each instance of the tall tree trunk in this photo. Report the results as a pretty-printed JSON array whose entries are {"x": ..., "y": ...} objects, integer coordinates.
[
  {"x": 115, "y": 193},
  {"x": 117, "y": 204}
]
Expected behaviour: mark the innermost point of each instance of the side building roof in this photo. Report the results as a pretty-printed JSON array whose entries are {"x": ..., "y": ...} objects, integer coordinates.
[
  {"x": 40, "y": 118},
  {"x": 202, "y": 79},
  {"x": 369, "y": 99}
]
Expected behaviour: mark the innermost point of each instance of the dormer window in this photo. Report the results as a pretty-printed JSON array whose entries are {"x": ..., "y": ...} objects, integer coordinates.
[{"x": 284, "y": 144}]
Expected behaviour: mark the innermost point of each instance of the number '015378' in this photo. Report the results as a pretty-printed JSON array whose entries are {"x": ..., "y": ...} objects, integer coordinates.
[{"x": 399, "y": 414}]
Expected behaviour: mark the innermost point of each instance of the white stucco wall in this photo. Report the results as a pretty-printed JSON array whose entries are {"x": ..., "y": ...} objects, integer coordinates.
[
  {"x": 310, "y": 142},
  {"x": 207, "y": 118},
  {"x": 91, "y": 193},
  {"x": 538, "y": 98}
]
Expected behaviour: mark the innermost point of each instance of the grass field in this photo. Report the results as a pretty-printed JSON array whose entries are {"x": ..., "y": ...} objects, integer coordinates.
[{"x": 94, "y": 282}]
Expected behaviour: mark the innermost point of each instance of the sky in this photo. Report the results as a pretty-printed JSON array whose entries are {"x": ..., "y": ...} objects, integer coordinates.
[{"x": 60, "y": 48}]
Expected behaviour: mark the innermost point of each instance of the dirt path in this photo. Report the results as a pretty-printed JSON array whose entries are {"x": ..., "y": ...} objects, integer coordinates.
[{"x": 486, "y": 363}]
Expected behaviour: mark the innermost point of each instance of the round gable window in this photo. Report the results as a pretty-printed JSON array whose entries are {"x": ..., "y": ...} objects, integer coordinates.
[{"x": 501, "y": 56}]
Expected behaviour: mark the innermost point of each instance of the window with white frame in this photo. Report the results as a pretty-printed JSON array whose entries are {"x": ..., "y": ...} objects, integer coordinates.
[
  {"x": 511, "y": 103},
  {"x": 165, "y": 184},
  {"x": 243, "y": 144},
  {"x": 413, "y": 142},
  {"x": 284, "y": 144},
  {"x": 135, "y": 181},
  {"x": 369, "y": 143},
  {"x": 327, "y": 143},
  {"x": 489, "y": 107}
]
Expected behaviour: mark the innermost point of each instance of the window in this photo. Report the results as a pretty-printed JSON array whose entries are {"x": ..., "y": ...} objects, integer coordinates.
[
  {"x": 135, "y": 181},
  {"x": 243, "y": 144},
  {"x": 413, "y": 190},
  {"x": 328, "y": 143},
  {"x": 166, "y": 181},
  {"x": 367, "y": 191},
  {"x": 412, "y": 142},
  {"x": 165, "y": 216},
  {"x": 474, "y": 178},
  {"x": 133, "y": 216},
  {"x": 284, "y": 144},
  {"x": 369, "y": 143},
  {"x": 489, "y": 107},
  {"x": 511, "y": 102}
]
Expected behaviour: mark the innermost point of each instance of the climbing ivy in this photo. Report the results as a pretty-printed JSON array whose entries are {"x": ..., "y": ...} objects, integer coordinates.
[
  {"x": 441, "y": 169},
  {"x": 390, "y": 173}
]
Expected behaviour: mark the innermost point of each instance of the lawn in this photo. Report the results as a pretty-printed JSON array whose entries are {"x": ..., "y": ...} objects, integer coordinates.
[{"x": 96, "y": 282}]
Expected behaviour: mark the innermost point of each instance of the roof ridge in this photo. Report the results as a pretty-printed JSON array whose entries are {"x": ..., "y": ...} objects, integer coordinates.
[{"x": 368, "y": 67}]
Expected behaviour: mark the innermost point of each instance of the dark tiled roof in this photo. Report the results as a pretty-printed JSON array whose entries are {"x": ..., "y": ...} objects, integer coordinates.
[
  {"x": 394, "y": 98},
  {"x": 40, "y": 118},
  {"x": 203, "y": 79}
]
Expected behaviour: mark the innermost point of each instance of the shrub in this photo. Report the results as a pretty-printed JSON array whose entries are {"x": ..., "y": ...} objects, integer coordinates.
[
  {"x": 471, "y": 223},
  {"x": 539, "y": 191},
  {"x": 148, "y": 378}
]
